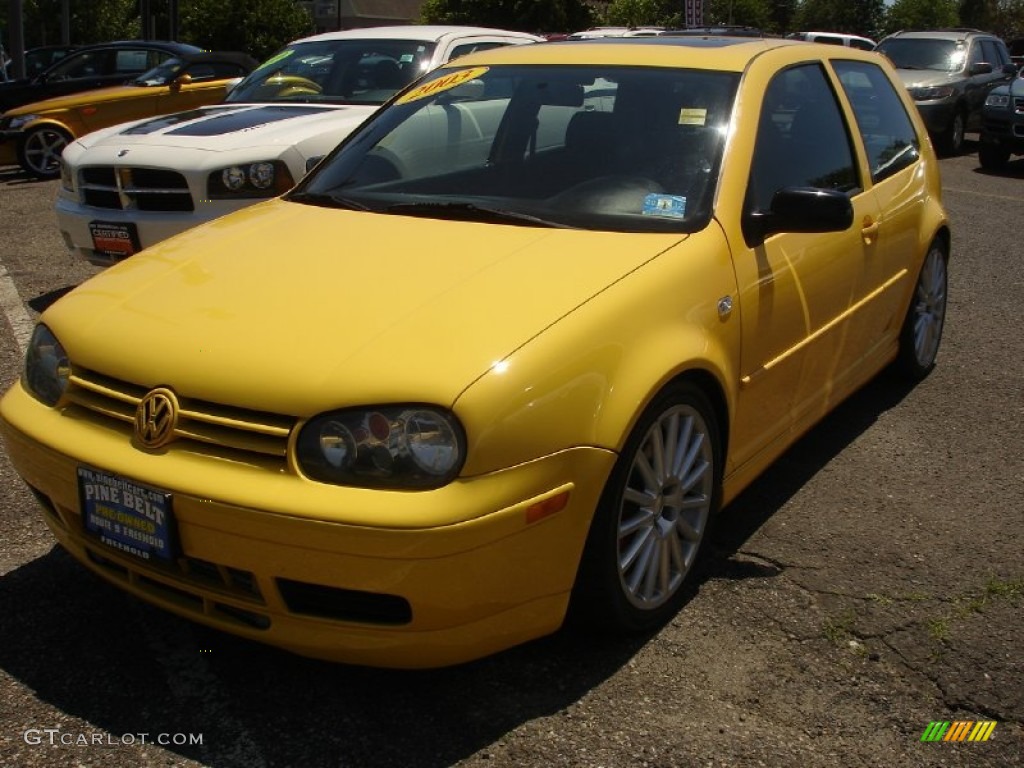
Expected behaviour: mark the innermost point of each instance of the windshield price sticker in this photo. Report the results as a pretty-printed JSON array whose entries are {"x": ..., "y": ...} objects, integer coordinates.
[
  {"x": 443, "y": 83},
  {"x": 127, "y": 516}
]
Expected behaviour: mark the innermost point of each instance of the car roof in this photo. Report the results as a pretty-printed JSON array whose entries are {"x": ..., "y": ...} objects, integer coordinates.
[
  {"x": 229, "y": 57},
  {"x": 940, "y": 34},
  {"x": 163, "y": 45},
  {"x": 712, "y": 52},
  {"x": 424, "y": 32}
]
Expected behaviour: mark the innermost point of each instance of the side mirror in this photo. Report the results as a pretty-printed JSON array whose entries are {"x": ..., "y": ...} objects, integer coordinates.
[
  {"x": 180, "y": 80},
  {"x": 800, "y": 209},
  {"x": 980, "y": 68}
]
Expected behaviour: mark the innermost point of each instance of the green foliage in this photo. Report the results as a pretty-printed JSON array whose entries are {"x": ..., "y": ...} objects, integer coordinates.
[
  {"x": 524, "y": 15},
  {"x": 258, "y": 27},
  {"x": 639, "y": 13},
  {"x": 1009, "y": 19},
  {"x": 742, "y": 13},
  {"x": 857, "y": 17},
  {"x": 922, "y": 14}
]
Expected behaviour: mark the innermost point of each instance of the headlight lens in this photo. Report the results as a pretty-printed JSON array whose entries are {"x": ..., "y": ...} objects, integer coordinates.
[
  {"x": 263, "y": 179},
  {"x": 399, "y": 447},
  {"x": 67, "y": 178},
  {"x": 16, "y": 122},
  {"x": 998, "y": 100},
  {"x": 47, "y": 368},
  {"x": 932, "y": 93}
]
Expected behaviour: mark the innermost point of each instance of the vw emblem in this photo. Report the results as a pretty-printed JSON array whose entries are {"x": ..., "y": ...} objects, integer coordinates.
[
  {"x": 122, "y": 152},
  {"x": 156, "y": 418}
]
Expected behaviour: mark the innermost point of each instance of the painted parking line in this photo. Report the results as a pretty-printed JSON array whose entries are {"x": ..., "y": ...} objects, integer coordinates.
[{"x": 14, "y": 310}]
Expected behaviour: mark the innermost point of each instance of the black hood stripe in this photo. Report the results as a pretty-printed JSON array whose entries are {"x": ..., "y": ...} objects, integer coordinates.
[
  {"x": 166, "y": 121},
  {"x": 239, "y": 120}
]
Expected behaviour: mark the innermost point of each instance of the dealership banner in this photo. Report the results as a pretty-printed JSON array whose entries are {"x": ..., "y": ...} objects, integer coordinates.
[{"x": 694, "y": 13}]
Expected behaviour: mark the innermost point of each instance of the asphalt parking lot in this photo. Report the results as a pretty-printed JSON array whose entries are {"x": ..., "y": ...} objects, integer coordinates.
[{"x": 870, "y": 584}]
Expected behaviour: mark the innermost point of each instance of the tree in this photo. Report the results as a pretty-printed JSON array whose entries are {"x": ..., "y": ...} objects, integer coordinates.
[
  {"x": 743, "y": 13},
  {"x": 1009, "y": 19},
  {"x": 922, "y": 14},
  {"x": 858, "y": 17},
  {"x": 258, "y": 28},
  {"x": 634, "y": 13},
  {"x": 524, "y": 15}
]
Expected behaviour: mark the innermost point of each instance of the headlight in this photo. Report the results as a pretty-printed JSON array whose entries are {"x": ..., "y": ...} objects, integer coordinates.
[
  {"x": 397, "y": 447},
  {"x": 46, "y": 367},
  {"x": 932, "y": 93},
  {"x": 264, "y": 179},
  {"x": 16, "y": 122},
  {"x": 67, "y": 178},
  {"x": 998, "y": 100}
]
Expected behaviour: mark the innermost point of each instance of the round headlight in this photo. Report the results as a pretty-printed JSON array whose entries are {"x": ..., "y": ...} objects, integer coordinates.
[
  {"x": 233, "y": 178},
  {"x": 431, "y": 441},
  {"x": 261, "y": 175},
  {"x": 337, "y": 445},
  {"x": 386, "y": 447},
  {"x": 47, "y": 368}
]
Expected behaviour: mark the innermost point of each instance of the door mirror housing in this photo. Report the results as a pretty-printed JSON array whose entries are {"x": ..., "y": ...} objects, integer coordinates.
[{"x": 800, "y": 209}]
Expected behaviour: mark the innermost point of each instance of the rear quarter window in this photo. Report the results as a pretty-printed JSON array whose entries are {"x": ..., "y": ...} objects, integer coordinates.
[{"x": 885, "y": 128}]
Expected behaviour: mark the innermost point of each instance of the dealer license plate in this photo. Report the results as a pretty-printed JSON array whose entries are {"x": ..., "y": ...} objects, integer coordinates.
[
  {"x": 113, "y": 239},
  {"x": 130, "y": 517}
]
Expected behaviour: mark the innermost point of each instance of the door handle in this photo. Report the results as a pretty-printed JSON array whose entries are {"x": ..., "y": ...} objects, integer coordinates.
[{"x": 869, "y": 230}]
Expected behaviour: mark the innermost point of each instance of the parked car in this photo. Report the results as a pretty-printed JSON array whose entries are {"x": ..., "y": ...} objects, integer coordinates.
[
  {"x": 36, "y": 60},
  {"x": 1002, "y": 126},
  {"x": 159, "y": 177},
  {"x": 89, "y": 67},
  {"x": 835, "y": 38},
  {"x": 500, "y": 356},
  {"x": 36, "y": 134},
  {"x": 949, "y": 72},
  {"x": 722, "y": 30}
]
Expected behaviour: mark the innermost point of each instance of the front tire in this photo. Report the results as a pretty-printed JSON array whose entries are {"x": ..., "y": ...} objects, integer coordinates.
[
  {"x": 39, "y": 152},
  {"x": 951, "y": 142},
  {"x": 653, "y": 516},
  {"x": 922, "y": 328},
  {"x": 993, "y": 157}
]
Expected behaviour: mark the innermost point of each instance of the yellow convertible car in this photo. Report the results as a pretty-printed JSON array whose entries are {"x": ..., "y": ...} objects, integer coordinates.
[
  {"x": 34, "y": 135},
  {"x": 500, "y": 359}
]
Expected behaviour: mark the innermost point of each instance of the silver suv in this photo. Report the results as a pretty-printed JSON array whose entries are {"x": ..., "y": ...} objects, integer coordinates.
[{"x": 949, "y": 72}]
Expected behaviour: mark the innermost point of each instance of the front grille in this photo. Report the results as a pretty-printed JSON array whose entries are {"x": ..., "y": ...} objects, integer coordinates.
[
  {"x": 223, "y": 429},
  {"x": 140, "y": 189}
]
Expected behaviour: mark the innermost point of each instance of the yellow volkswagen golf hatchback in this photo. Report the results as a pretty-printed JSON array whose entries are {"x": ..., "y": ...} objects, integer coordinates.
[{"x": 501, "y": 357}]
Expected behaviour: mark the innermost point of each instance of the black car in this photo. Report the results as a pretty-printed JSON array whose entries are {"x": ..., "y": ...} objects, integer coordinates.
[{"x": 92, "y": 66}]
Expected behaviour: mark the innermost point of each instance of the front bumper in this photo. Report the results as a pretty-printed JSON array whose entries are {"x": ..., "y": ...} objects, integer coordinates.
[
  {"x": 73, "y": 218},
  {"x": 937, "y": 115},
  {"x": 327, "y": 588},
  {"x": 1005, "y": 129}
]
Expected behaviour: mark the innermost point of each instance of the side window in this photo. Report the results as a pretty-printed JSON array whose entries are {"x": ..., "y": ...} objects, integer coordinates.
[
  {"x": 864, "y": 45},
  {"x": 468, "y": 48},
  {"x": 130, "y": 61},
  {"x": 889, "y": 136},
  {"x": 992, "y": 54},
  {"x": 802, "y": 139},
  {"x": 975, "y": 56},
  {"x": 87, "y": 64}
]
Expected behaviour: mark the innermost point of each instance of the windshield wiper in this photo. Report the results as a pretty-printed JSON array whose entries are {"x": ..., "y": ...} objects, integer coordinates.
[
  {"x": 328, "y": 201},
  {"x": 471, "y": 212}
]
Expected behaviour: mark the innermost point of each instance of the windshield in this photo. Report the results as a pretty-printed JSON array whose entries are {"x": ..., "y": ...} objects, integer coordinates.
[
  {"x": 161, "y": 75},
  {"x": 630, "y": 149},
  {"x": 938, "y": 55},
  {"x": 336, "y": 72}
]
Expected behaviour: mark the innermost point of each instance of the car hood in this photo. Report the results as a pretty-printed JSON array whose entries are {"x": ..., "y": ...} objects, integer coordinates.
[
  {"x": 297, "y": 309},
  {"x": 85, "y": 98},
  {"x": 228, "y": 126},
  {"x": 917, "y": 78}
]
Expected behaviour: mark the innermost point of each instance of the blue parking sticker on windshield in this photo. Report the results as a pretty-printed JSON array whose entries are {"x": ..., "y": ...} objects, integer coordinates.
[{"x": 670, "y": 206}]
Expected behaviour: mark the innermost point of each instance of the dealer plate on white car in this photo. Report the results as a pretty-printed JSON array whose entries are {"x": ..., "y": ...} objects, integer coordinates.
[
  {"x": 118, "y": 240},
  {"x": 127, "y": 516}
]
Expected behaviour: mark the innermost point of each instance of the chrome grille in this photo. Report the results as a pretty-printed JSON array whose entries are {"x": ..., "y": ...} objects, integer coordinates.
[
  {"x": 140, "y": 189},
  {"x": 199, "y": 421}
]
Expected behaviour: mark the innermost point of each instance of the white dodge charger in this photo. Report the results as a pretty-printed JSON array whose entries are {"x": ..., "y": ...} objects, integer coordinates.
[{"x": 130, "y": 186}]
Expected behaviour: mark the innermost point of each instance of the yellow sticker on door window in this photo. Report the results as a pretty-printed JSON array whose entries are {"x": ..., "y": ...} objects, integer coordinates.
[
  {"x": 443, "y": 83},
  {"x": 692, "y": 116}
]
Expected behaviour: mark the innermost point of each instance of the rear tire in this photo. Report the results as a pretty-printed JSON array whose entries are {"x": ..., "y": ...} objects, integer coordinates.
[{"x": 653, "y": 516}]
